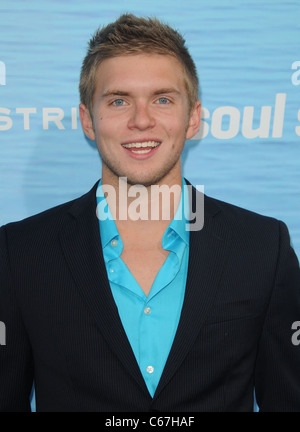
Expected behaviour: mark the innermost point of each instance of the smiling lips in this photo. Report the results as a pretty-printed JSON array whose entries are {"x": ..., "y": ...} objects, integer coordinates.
[{"x": 140, "y": 148}]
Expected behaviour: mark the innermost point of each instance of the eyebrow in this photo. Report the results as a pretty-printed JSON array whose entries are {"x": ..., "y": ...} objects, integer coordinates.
[
  {"x": 116, "y": 92},
  {"x": 166, "y": 90}
]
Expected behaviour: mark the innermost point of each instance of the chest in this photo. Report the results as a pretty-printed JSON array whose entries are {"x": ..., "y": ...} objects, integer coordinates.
[{"x": 144, "y": 264}]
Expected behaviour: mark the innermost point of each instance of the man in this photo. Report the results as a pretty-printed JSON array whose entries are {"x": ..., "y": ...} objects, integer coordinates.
[{"x": 106, "y": 311}]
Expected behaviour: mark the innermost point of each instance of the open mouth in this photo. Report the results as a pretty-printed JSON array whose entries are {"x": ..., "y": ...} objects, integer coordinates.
[{"x": 141, "y": 147}]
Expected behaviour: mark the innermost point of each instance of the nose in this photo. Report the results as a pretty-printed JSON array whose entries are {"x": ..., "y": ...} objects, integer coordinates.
[{"x": 141, "y": 117}]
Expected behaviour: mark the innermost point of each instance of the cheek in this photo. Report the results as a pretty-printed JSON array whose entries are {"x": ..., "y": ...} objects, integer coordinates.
[
  {"x": 178, "y": 132},
  {"x": 103, "y": 128}
]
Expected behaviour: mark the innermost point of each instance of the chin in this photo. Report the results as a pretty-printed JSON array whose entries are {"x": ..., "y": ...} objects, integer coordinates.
[
  {"x": 143, "y": 178},
  {"x": 146, "y": 180}
]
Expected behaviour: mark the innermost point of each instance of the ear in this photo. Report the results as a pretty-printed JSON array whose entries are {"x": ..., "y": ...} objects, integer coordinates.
[
  {"x": 86, "y": 122},
  {"x": 194, "y": 121}
]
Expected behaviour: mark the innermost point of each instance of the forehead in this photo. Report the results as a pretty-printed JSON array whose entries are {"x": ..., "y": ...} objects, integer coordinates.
[{"x": 139, "y": 72}]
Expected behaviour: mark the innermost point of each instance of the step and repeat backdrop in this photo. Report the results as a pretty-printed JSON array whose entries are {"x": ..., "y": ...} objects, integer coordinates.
[{"x": 247, "y": 151}]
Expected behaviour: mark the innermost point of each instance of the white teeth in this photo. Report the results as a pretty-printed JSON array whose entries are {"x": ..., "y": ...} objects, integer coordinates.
[
  {"x": 141, "y": 151},
  {"x": 141, "y": 144}
]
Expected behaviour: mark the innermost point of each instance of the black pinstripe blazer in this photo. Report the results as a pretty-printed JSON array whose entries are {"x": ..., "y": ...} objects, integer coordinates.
[{"x": 63, "y": 329}]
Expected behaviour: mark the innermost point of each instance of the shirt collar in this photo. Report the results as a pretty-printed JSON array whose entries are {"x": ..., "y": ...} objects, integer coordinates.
[
  {"x": 176, "y": 229},
  {"x": 108, "y": 228},
  {"x": 179, "y": 223}
]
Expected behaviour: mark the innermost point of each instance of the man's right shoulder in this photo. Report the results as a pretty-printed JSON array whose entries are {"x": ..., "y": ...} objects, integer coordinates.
[{"x": 50, "y": 221}]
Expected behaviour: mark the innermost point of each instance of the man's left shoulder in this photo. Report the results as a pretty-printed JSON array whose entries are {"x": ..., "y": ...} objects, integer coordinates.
[
  {"x": 241, "y": 215},
  {"x": 246, "y": 226},
  {"x": 233, "y": 213}
]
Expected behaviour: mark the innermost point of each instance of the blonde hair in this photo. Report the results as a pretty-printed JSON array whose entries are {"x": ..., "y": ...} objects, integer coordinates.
[{"x": 130, "y": 35}]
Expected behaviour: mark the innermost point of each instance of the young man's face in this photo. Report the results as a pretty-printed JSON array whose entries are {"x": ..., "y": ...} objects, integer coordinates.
[{"x": 141, "y": 118}]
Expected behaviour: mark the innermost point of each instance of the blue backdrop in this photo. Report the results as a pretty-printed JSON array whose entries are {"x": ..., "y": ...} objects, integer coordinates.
[{"x": 247, "y": 151}]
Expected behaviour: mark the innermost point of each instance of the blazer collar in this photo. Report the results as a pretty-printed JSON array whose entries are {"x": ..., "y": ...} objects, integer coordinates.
[
  {"x": 80, "y": 204},
  {"x": 207, "y": 259},
  {"x": 81, "y": 243}
]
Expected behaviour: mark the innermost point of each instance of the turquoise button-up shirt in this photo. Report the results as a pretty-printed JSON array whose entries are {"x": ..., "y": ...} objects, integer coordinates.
[{"x": 150, "y": 322}]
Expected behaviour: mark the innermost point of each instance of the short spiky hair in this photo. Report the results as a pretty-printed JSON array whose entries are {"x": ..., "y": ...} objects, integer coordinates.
[{"x": 130, "y": 35}]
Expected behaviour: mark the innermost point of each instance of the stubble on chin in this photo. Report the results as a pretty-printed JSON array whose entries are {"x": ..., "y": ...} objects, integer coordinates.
[{"x": 140, "y": 179}]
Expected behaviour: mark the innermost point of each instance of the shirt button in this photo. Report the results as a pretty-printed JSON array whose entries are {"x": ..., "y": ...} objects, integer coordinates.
[
  {"x": 114, "y": 242},
  {"x": 147, "y": 311},
  {"x": 150, "y": 369}
]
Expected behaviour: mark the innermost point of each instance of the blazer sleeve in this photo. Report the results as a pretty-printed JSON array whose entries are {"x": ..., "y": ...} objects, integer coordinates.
[
  {"x": 277, "y": 375},
  {"x": 16, "y": 365}
]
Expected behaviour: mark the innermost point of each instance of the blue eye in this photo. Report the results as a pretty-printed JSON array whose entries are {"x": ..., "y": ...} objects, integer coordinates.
[
  {"x": 118, "y": 102},
  {"x": 163, "y": 100}
]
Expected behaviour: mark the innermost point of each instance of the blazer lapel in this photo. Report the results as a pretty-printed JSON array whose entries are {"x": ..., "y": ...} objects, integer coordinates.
[
  {"x": 81, "y": 244},
  {"x": 208, "y": 251}
]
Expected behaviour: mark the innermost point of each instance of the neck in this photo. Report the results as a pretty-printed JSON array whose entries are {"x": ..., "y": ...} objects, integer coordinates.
[{"x": 137, "y": 208}]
